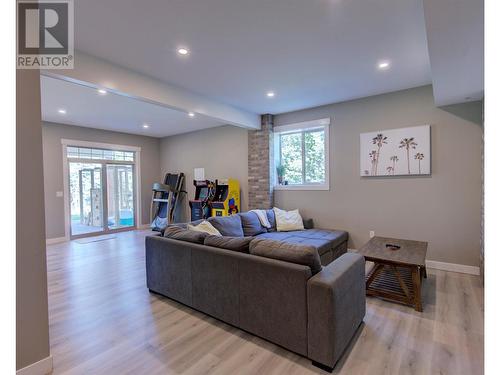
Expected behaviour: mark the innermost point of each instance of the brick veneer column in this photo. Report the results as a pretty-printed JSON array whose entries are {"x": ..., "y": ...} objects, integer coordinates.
[{"x": 260, "y": 165}]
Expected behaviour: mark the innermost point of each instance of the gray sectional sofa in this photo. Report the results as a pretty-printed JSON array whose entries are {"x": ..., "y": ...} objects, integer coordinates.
[{"x": 299, "y": 289}]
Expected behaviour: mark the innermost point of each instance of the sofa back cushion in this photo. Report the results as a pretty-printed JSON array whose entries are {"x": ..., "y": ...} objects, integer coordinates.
[
  {"x": 205, "y": 227},
  {"x": 294, "y": 253},
  {"x": 272, "y": 220},
  {"x": 251, "y": 224},
  {"x": 240, "y": 244},
  {"x": 184, "y": 225},
  {"x": 178, "y": 233},
  {"x": 228, "y": 225}
]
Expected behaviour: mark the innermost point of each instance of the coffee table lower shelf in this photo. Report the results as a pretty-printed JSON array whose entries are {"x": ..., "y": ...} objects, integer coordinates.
[{"x": 396, "y": 283}]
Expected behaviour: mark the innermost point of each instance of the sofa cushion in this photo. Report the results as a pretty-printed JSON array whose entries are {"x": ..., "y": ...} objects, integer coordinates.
[
  {"x": 178, "y": 233},
  {"x": 336, "y": 237},
  {"x": 272, "y": 220},
  {"x": 321, "y": 245},
  {"x": 279, "y": 236},
  {"x": 293, "y": 253},
  {"x": 323, "y": 240},
  {"x": 288, "y": 220},
  {"x": 205, "y": 227},
  {"x": 240, "y": 244},
  {"x": 228, "y": 225},
  {"x": 184, "y": 225},
  {"x": 262, "y": 215},
  {"x": 251, "y": 224}
]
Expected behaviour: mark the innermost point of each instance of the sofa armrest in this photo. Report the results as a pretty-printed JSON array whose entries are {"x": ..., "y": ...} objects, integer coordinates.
[
  {"x": 336, "y": 307},
  {"x": 168, "y": 268}
]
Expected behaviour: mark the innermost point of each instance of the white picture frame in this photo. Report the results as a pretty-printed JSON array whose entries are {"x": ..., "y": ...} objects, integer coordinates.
[{"x": 396, "y": 152}]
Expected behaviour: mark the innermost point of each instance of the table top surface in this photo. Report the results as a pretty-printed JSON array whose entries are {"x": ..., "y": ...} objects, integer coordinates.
[{"x": 411, "y": 252}]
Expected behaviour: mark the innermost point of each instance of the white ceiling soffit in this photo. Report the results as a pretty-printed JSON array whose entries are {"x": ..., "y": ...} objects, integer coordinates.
[
  {"x": 85, "y": 106},
  {"x": 455, "y": 35},
  {"x": 309, "y": 52},
  {"x": 95, "y": 72}
]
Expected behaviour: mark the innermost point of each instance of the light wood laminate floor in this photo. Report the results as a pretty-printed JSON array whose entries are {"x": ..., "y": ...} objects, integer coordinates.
[{"x": 103, "y": 320}]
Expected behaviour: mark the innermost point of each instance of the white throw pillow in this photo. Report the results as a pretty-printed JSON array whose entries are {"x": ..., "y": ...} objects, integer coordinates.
[
  {"x": 204, "y": 227},
  {"x": 288, "y": 220}
]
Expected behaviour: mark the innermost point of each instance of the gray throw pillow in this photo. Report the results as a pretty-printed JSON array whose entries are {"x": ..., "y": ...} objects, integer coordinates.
[
  {"x": 251, "y": 224},
  {"x": 178, "y": 233},
  {"x": 308, "y": 223},
  {"x": 272, "y": 220},
  {"x": 228, "y": 225},
  {"x": 294, "y": 253},
  {"x": 240, "y": 244}
]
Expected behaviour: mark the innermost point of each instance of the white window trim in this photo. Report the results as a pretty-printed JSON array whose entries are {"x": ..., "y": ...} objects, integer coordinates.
[
  {"x": 306, "y": 125},
  {"x": 110, "y": 146},
  {"x": 104, "y": 146}
]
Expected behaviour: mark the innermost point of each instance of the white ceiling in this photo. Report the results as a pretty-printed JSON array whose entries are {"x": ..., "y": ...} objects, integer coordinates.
[
  {"x": 310, "y": 52},
  {"x": 86, "y": 107},
  {"x": 455, "y": 33}
]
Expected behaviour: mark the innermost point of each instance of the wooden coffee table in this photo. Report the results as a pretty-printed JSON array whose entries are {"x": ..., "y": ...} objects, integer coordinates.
[{"x": 397, "y": 274}]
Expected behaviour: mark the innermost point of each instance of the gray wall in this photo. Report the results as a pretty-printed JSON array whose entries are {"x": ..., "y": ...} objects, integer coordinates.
[
  {"x": 32, "y": 325},
  {"x": 53, "y": 168},
  {"x": 443, "y": 209},
  {"x": 222, "y": 151}
]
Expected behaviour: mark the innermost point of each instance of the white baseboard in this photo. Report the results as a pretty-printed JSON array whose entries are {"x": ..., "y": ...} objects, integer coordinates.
[
  {"x": 452, "y": 267},
  {"x": 50, "y": 241},
  {"x": 144, "y": 226},
  {"x": 444, "y": 266},
  {"x": 42, "y": 367}
]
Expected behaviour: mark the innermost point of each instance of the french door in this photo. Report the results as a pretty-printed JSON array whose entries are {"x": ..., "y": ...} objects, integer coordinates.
[{"x": 102, "y": 197}]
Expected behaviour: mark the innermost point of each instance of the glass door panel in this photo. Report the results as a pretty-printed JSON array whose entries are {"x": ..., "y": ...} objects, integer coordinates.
[
  {"x": 86, "y": 198},
  {"x": 120, "y": 192}
]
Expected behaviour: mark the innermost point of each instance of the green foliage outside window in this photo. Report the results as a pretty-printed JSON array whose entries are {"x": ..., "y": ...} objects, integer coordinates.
[
  {"x": 303, "y": 157},
  {"x": 315, "y": 156},
  {"x": 291, "y": 157}
]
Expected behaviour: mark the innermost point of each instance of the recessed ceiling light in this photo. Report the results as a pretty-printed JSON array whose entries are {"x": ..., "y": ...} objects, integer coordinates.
[
  {"x": 270, "y": 94},
  {"x": 383, "y": 65},
  {"x": 102, "y": 91},
  {"x": 191, "y": 114},
  {"x": 62, "y": 111},
  {"x": 145, "y": 126},
  {"x": 183, "y": 51}
]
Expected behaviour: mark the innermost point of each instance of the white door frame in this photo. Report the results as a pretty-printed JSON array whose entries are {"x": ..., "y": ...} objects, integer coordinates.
[{"x": 107, "y": 146}]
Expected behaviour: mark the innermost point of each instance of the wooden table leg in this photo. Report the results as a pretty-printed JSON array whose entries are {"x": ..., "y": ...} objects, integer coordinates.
[
  {"x": 415, "y": 274},
  {"x": 402, "y": 284},
  {"x": 377, "y": 268}
]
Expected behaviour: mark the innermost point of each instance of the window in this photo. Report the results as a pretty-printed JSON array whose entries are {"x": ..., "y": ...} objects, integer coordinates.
[
  {"x": 99, "y": 154},
  {"x": 301, "y": 155}
]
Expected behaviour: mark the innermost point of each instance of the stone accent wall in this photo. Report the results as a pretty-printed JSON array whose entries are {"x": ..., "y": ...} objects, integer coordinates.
[{"x": 260, "y": 165}]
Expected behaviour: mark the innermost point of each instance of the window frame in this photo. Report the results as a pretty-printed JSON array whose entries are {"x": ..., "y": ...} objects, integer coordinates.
[
  {"x": 302, "y": 128},
  {"x": 100, "y": 154}
]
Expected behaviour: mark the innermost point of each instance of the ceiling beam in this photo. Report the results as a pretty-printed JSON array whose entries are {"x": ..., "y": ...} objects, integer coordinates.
[
  {"x": 94, "y": 72},
  {"x": 456, "y": 49}
]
